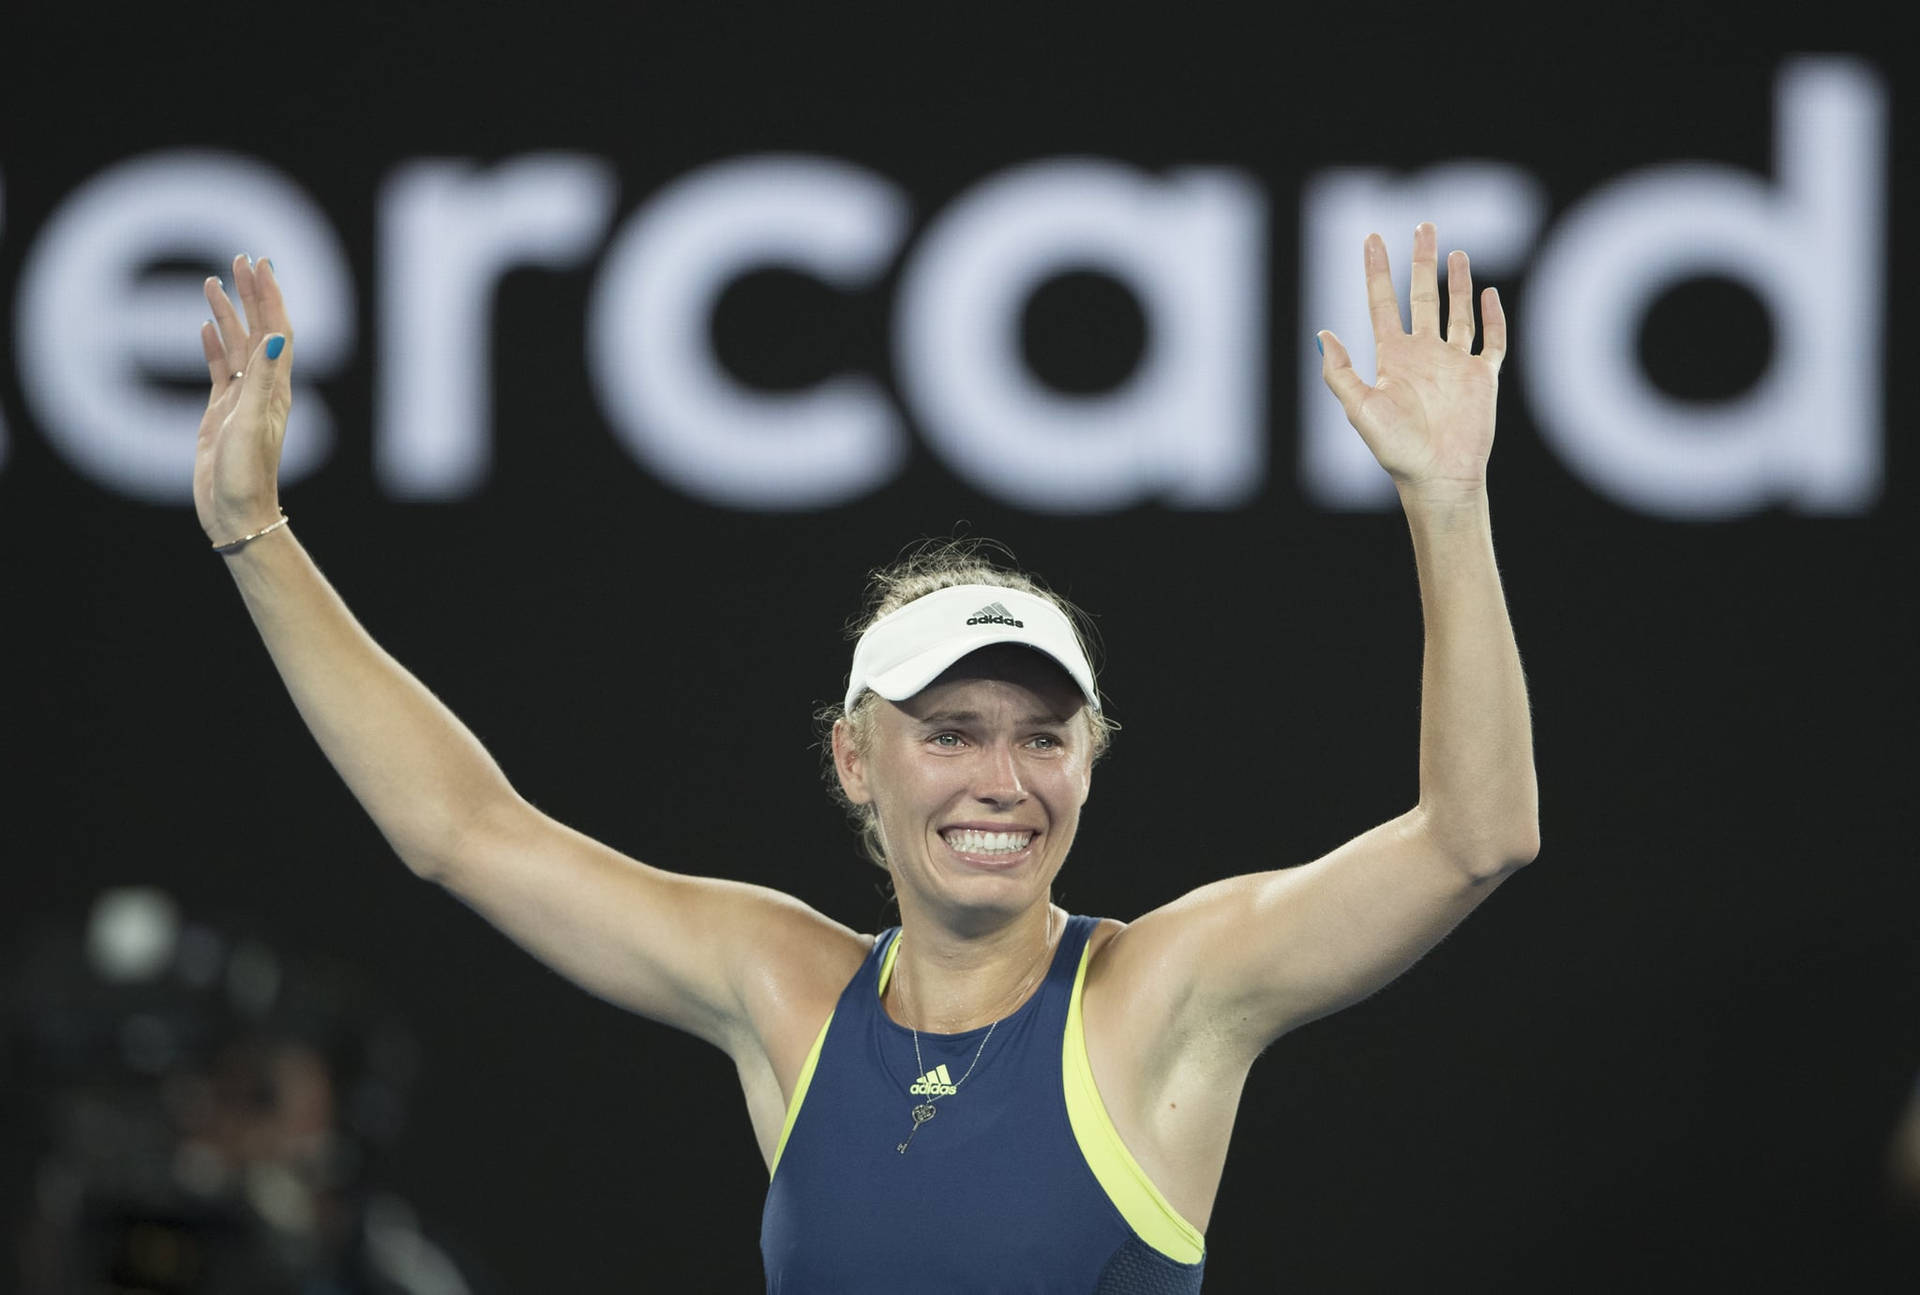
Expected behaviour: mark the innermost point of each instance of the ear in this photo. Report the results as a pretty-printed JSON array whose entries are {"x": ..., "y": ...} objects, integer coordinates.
[
  {"x": 1086, "y": 767},
  {"x": 848, "y": 763}
]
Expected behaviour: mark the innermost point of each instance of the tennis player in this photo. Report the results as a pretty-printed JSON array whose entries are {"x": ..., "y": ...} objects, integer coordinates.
[{"x": 996, "y": 1095}]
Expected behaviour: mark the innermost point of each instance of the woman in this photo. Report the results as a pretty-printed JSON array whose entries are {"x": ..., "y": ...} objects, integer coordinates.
[{"x": 996, "y": 1094}]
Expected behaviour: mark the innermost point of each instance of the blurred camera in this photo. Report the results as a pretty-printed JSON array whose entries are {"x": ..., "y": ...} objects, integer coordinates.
[{"x": 194, "y": 1111}]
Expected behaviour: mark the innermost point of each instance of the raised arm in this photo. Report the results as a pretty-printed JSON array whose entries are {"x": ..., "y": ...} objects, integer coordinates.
[
  {"x": 1250, "y": 957},
  {"x": 1429, "y": 421},
  {"x": 718, "y": 959}
]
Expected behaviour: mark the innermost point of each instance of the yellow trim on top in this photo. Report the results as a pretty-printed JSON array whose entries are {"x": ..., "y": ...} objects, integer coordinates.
[
  {"x": 813, "y": 1059},
  {"x": 1147, "y": 1212},
  {"x": 886, "y": 967},
  {"x": 799, "y": 1095}
]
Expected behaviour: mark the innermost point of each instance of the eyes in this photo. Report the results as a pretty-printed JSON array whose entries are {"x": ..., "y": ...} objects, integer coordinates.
[{"x": 948, "y": 740}]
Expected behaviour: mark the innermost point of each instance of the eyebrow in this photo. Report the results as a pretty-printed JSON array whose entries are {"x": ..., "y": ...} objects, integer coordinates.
[{"x": 941, "y": 717}]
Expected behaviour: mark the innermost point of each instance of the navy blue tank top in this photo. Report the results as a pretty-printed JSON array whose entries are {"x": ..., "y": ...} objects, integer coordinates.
[{"x": 1004, "y": 1189}]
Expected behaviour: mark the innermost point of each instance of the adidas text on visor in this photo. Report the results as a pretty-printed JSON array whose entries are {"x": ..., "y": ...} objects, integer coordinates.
[{"x": 909, "y": 647}]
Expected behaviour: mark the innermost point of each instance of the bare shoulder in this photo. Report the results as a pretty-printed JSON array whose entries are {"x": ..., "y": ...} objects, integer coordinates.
[
  {"x": 1169, "y": 1076},
  {"x": 1147, "y": 1015},
  {"x": 1129, "y": 1001},
  {"x": 1137, "y": 975},
  {"x": 800, "y": 964},
  {"x": 1099, "y": 959},
  {"x": 799, "y": 961}
]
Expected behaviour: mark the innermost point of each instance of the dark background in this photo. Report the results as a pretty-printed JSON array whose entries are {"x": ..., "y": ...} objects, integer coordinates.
[{"x": 1672, "y": 1051}]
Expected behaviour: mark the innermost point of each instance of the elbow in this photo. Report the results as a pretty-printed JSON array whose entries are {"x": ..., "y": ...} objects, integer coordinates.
[
  {"x": 1508, "y": 836},
  {"x": 1525, "y": 848},
  {"x": 1486, "y": 848},
  {"x": 428, "y": 860},
  {"x": 441, "y": 855},
  {"x": 1514, "y": 850}
]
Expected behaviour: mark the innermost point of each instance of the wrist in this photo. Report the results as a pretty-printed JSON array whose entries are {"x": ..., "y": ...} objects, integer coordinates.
[
  {"x": 1442, "y": 496},
  {"x": 223, "y": 519},
  {"x": 230, "y": 538}
]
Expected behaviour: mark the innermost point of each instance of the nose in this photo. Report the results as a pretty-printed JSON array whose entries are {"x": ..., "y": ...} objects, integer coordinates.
[{"x": 998, "y": 777}]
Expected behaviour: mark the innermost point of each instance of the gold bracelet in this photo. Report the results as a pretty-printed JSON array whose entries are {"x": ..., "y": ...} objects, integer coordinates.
[{"x": 232, "y": 545}]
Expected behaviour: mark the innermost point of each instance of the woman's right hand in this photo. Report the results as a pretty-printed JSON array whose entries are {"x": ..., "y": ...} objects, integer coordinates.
[{"x": 236, "y": 462}]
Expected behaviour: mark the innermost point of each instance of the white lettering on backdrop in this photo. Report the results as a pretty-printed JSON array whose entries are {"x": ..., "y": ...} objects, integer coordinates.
[
  {"x": 449, "y": 232},
  {"x": 93, "y": 327},
  {"x": 1186, "y": 429}
]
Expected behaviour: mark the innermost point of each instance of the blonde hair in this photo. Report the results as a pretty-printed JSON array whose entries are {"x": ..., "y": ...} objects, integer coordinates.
[{"x": 920, "y": 570}]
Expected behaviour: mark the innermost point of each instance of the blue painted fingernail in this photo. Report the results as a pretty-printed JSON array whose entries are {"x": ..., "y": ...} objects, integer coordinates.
[
  {"x": 274, "y": 346},
  {"x": 268, "y": 263},
  {"x": 1317, "y": 346}
]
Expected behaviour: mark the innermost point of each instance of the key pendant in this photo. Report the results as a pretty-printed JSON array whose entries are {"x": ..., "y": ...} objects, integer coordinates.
[{"x": 921, "y": 1114}]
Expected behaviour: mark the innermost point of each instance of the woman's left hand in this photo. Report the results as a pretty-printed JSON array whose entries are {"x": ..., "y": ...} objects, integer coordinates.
[{"x": 1428, "y": 417}]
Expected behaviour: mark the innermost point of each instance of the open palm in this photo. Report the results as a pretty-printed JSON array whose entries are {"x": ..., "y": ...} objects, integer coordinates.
[
  {"x": 1428, "y": 416},
  {"x": 236, "y": 460}
]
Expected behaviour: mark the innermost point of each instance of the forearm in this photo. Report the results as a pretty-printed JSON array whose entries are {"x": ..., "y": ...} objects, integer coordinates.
[
  {"x": 1478, "y": 795},
  {"x": 409, "y": 761}
]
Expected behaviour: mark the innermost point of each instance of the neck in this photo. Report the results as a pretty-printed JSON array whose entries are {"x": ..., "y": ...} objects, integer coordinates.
[{"x": 946, "y": 983}]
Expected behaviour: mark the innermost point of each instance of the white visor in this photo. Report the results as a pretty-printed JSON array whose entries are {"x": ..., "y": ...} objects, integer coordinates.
[{"x": 907, "y": 649}]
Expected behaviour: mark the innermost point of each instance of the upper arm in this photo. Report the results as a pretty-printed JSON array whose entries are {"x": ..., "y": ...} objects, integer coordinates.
[
  {"x": 722, "y": 960},
  {"x": 1248, "y": 958}
]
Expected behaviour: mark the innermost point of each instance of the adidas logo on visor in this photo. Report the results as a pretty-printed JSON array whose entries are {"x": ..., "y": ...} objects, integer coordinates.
[{"x": 995, "y": 614}]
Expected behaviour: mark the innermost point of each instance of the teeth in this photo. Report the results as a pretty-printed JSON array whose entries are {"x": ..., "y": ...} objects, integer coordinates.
[{"x": 968, "y": 841}]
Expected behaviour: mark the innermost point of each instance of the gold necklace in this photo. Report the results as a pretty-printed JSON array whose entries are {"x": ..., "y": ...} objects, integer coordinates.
[{"x": 925, "y": 1111}]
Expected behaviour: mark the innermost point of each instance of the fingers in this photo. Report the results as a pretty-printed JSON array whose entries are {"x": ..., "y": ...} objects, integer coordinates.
[
  {"x": 233, "y": 334},
  {"x": 265, "y": 377},
  {"x": 1459, "y": 302},
  {"x": 1493, "y": 348},
  {"x": 1424, "y": 290},
  {"x": 1380, "y": 299},
  {"x": 272, "y": 306},
  {"x": 244, "y": 283},
  {"x": 237, "y": 338},
  {"x": 1424, "y": 303},
  {"x": 216, "y": 356},
  {"x": 1336, "y": 367}
]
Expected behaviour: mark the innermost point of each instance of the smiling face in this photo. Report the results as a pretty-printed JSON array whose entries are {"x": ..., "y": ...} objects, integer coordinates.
[{"x": 977, "y": 781}]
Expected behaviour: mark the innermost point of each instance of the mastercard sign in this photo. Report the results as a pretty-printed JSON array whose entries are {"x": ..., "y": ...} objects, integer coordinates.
[{"x": 1189, "y": 428}]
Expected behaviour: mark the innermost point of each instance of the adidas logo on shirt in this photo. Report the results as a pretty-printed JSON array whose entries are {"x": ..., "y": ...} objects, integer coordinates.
[
  {"x": 995, "y": 614},
  {"x": 935, "y": 1083}
]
